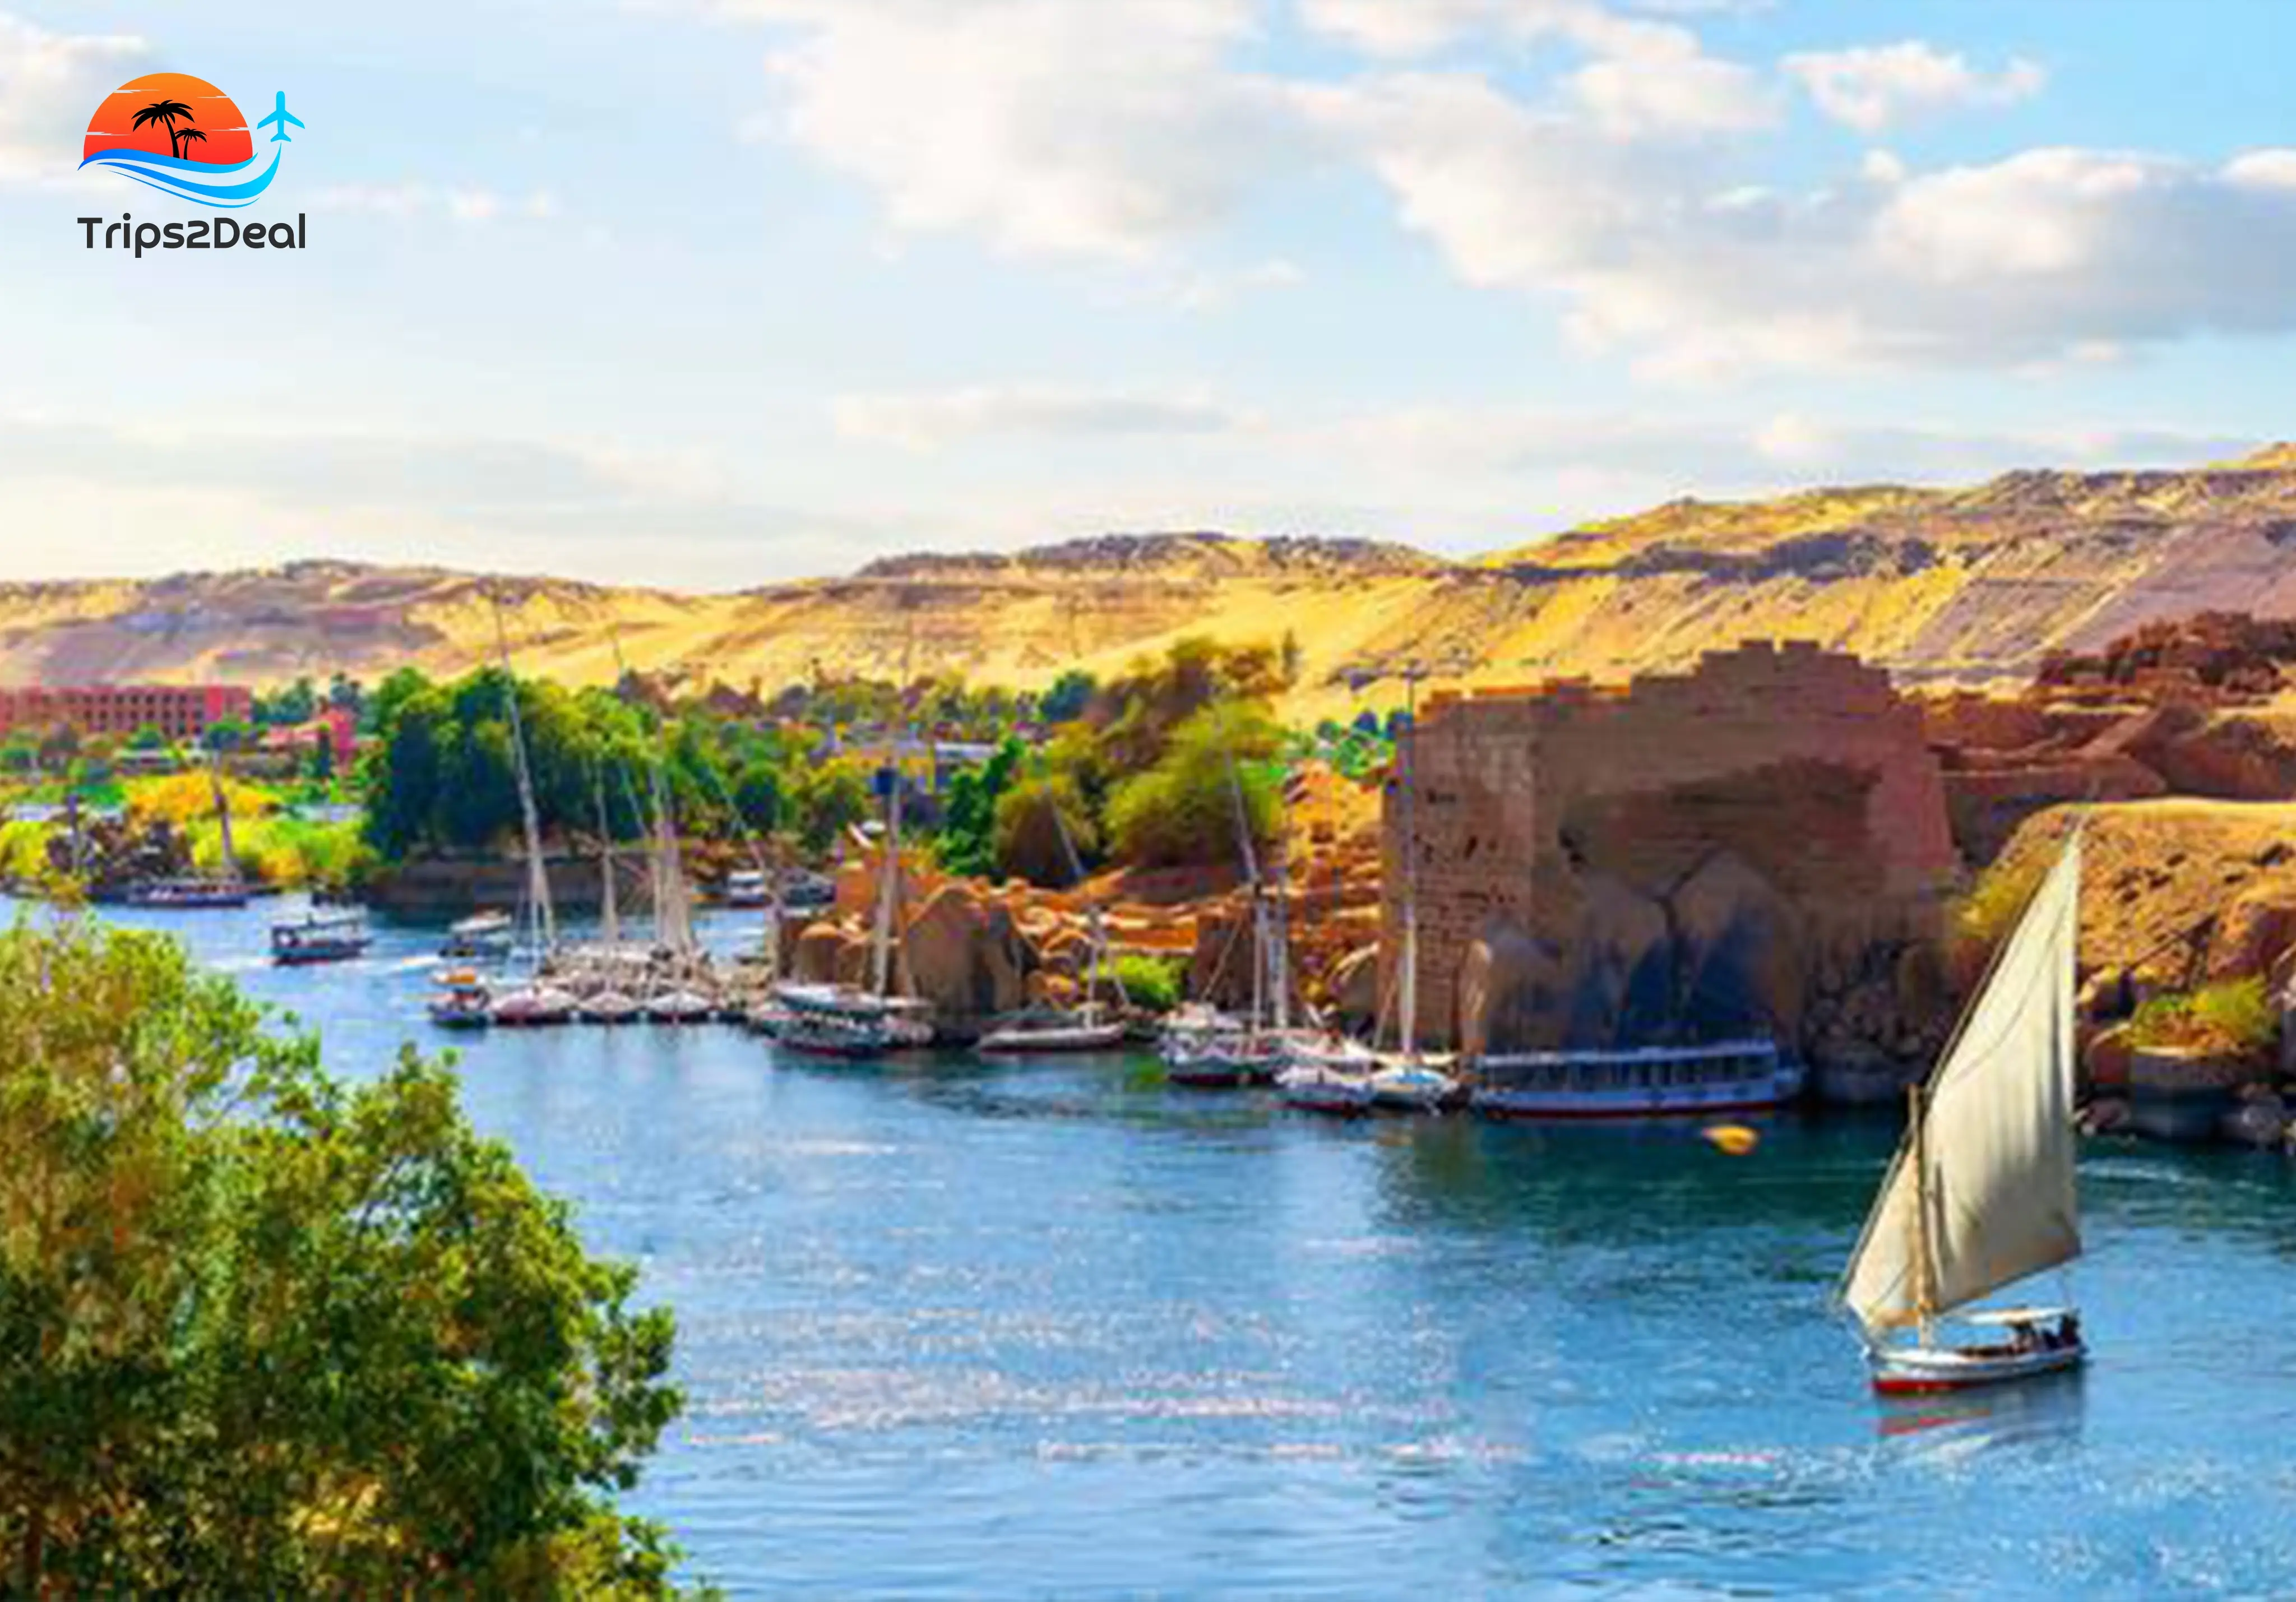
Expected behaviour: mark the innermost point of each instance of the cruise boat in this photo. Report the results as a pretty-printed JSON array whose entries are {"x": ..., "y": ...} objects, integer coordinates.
[
  {"x": 1983, "y": 1193},
  {"x": 1650, "y": 1081},
  {"x": 187, "y": 894},
  {"x": 320, "y": 935}
]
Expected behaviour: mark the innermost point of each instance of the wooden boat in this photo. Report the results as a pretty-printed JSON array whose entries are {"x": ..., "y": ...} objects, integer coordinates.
[
  {"x": 1333, "y": 1080},
  {"x": 1983, "y": 1191},
  {"x": 534, "y": 1005},
  {"x": 1653, "y": 1081},
  {"x": 317, "y": 937},
  {"x": 680, "y": 1007},
  {"x": 608, "y": 1007},
  {"x": 462, "y": 1001}
]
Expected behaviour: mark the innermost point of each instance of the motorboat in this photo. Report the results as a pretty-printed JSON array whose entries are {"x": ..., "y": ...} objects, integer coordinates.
[
  {"x": 319, "y": 936},
  {"x": 1043, "y": 1033},
  {"x": 483, "y": 937},
  {"x": 1649, "y": 1082}
]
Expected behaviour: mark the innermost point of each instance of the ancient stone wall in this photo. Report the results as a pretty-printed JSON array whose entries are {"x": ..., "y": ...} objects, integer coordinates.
[{"x": 1745, "y": 832}]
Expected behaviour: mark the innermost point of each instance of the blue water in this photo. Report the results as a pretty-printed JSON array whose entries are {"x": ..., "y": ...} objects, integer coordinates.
[{"x": 1049, "y": 1329}]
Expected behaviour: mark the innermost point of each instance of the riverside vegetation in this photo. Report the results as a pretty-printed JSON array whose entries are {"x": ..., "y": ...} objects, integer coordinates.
[{"x": 265, "y": 1333}]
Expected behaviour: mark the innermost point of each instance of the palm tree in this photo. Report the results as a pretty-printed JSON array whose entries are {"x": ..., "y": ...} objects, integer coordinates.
[
  {"x": 166, "y": 111},
  {"x": 187, "y": 135}
]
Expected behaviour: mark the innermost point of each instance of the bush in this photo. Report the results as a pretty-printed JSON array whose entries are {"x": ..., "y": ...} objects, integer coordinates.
[
  {"x": 1153, "y": 983},
  {"x": 1029, "y": 818},
  {"x": 2234, "y": 1016}
]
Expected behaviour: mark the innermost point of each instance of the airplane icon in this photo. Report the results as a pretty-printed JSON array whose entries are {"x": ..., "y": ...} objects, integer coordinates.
[{"x": 282, "y": 117}]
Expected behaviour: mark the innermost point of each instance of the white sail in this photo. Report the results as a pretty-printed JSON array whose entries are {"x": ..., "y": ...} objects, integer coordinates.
[{"x": 1993, "y": 1154}]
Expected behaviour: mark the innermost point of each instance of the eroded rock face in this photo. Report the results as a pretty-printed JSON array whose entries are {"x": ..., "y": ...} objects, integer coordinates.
[
  {"x": 827, "y": 954},
  {"x": 1510, "y": 992},
  {"x": 965, "y": 954}
]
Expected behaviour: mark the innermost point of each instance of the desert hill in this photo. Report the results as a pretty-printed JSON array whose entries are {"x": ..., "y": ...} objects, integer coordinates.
[{"x": 1972, "y": 586}]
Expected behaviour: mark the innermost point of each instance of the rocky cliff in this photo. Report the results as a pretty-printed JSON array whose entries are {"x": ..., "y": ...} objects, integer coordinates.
[{"x": 1948, "y": 586}]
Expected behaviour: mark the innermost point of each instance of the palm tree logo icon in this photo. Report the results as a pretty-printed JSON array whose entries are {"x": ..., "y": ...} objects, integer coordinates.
[{"x": 166, "y": 111}]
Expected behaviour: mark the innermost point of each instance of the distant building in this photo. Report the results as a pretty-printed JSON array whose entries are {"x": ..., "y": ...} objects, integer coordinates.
[
  {"x": 335, "y": 727},
  {"x": 179, "y": 712}
]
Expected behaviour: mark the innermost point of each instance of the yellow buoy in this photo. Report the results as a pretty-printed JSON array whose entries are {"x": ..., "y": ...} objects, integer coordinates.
[{"x": 1731, "y": 1139}]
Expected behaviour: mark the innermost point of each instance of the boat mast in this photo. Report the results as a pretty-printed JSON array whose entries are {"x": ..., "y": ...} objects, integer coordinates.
[
  {"x": 537, "y": 875},
  {"x": 1259, "y": 942},
  {"x": 1408, "y": 1007},
  {"x": 610, "y": 921}
]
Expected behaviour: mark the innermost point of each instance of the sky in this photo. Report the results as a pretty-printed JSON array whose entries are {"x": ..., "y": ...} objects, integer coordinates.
[{"x": 710, "y": 293}]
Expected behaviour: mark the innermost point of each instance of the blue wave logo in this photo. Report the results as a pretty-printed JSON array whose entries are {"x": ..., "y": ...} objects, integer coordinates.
[
  {"x": 189, "y": 180},
  {"x": 184, "y": 136}
]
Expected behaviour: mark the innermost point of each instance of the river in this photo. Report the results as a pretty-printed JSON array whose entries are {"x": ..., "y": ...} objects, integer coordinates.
[{"x": 1050, "y": 1328}]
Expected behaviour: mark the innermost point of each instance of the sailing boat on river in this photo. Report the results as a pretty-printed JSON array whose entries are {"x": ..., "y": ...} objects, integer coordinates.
[{"x": 1982, "y": 1193}]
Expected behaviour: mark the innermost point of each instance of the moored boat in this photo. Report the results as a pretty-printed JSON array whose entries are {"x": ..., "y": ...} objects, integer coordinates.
[
  {"x": 185, "y": 894},
  {"x": 1652, "y": 1082},
  {"x": 461, "y": 1002},
  {"x": 1414, "y": 1084},
  {"x": 1082, "y": 1031},
  {"x": 534, "y": 1005},
  {"x": 1983, "y": 1192},
  {"x": 607, "y": 1007},
  {"x": 679, "y": 1006}
]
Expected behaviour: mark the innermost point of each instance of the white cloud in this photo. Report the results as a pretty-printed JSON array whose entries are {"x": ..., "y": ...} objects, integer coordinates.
[
  {"x": 50, "y": 85},
  {"x": 1876, "y": 88},
  {"x": 1107, "y": 128},
  {"x": 926, "y": 422},
  {"x": 406, "y": 199}
]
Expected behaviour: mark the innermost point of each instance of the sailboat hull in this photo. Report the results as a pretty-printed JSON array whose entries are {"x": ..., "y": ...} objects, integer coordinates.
[{"x": 1929, "y": 1370}]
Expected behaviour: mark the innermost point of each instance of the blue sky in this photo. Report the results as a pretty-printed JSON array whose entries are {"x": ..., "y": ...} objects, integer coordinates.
[{"x": 711, "y": 293}]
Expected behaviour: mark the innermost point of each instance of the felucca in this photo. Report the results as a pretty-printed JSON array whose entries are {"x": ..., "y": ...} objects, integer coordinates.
[{"x": 1982, "y": 1192}]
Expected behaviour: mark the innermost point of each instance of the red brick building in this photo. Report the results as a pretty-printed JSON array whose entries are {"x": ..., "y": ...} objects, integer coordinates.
[{"x": 179, "y": 712}]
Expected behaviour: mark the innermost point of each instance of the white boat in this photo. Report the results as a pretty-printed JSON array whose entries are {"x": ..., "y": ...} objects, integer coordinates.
[
  {"x": 534, "y": 1006},
  {"x": 1081, "y": 1030},
  {"x": 1420, "y": 1085},
  {"x": 608, "y": 1007},
  {"x": 1983, "y": 1191},
  {"x": 1652, "y": 1082},
  {"x": 747, "y": 887},
  {"x": 1333, "y": 1078},
  {"x": 680, "y": 1007},
  {"x": 483, "y": 937},
  {"x": 320, "y": 936},
  {"x": 845, "y": 1021}
]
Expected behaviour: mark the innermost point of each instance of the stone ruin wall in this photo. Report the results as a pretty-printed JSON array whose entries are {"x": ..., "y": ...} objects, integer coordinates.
[{"x": 1803, "y": 767}]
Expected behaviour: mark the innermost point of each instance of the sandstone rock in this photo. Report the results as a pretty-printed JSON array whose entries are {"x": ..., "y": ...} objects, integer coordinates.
[
  {"x": 1510, "y": 991},
  {"x": 2254, "y": 932},
  {"x": 1353, "y": 987},
  {"x": 2105, "y": 1059},
  {"x": 964, "y": 953},
  {"x": 827, "y": 954}
]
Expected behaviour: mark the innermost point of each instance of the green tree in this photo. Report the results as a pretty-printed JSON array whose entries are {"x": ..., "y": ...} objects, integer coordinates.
[
  {"x": 829, "y": 797},
  {"x": 1029, "y": 818},
  {"x": 968, "y": 837},
  {"x": 227, "y": 733},
  {"x": 262, "y": 1334},
  {"x": 1184, "y": 809},
  {"x": 1066, "y": 700}
]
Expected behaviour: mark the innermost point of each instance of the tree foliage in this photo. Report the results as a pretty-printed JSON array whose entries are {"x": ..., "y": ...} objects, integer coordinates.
[
  {"x": 1183, "y": 809},
  {"x": 968, "y": 836},
  {"x": 265, "y": 1335}
]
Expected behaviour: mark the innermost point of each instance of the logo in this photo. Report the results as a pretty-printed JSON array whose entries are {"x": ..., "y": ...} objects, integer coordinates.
[{"x": 186, "y": 137}]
